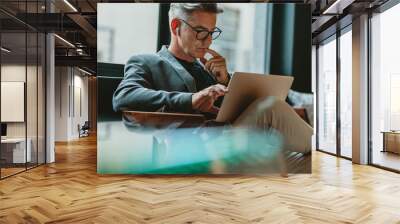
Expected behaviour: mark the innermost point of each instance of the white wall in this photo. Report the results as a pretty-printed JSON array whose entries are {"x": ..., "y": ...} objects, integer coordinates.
[
  {"x": 17, "y": 73},
  {"x": 12, "y": 100},
  {"x": 70, "y": 83},
  {"x": 14, "y": 73},
  {"x": 61, "y": 103},
  {"x": 80, "y": 84},
  {"x": 34, "y": 125}
]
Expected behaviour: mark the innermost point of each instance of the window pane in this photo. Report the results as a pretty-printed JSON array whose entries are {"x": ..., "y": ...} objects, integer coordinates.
[
  {"x": 242, "y": 40},
  {"x": 13, "y": 85},
  {"x": 346, "y": 94},
  {"x": 385, "y": 84},
  {"x": 327, "y": 97},
  {"x": 41, "y": 98},
  {"x": 31, "y": 99},
  {"x": 126, "y": 29}
]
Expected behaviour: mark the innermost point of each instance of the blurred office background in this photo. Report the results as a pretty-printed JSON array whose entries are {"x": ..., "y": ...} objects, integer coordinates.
[{"x": 257, "y": 37}]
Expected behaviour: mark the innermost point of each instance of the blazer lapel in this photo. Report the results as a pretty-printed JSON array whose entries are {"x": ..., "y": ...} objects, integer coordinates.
[{"x": 180, "y": 70}]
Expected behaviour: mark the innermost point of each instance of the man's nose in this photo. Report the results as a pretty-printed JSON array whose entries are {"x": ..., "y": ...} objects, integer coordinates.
[{"x": 208, "y": 40}]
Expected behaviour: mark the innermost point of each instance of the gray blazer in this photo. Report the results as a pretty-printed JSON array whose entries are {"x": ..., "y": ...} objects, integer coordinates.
[{"x": 155, "y": 82}]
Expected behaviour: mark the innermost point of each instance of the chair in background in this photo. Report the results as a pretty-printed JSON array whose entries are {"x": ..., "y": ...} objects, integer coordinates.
[{"x": 84, "y": 129}]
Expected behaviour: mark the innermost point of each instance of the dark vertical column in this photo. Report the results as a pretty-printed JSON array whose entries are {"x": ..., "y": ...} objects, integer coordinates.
[
  {"x": 26, "y": 86},
  {"x": 290, "y": 51},
  {"x": 338, "y": 74},
  {"x": 44, "y": 69},
  {"x": 316, "y": 97},
  {"x": 73, "y": 92},
  {"x": 164, "y": 36},
  {"x": 302, "y": 44},
  {"x": 1, "y": 164},
  {"x": 37, "y": 88},
  {"x": 369, "y": 91}
]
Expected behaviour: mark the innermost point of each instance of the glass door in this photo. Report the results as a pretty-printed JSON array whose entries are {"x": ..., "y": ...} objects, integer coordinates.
[
  {"x": 385, "y": 89},
  {"x": 326, "y": 60},
  {"x": 22, "y": 77},
  {"x": 346, "y": 93},
  {"x": 13, "y": 103}
]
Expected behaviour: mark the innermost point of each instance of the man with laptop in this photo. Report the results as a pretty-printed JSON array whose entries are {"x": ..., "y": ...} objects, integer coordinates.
[{"x": 180, "y": 79}]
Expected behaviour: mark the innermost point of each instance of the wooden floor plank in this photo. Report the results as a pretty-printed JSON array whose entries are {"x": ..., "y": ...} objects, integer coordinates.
[{"x": 70, "y": 191}]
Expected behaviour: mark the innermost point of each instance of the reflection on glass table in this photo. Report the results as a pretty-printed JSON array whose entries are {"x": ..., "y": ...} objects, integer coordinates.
[{"x": 186, "y": 150}]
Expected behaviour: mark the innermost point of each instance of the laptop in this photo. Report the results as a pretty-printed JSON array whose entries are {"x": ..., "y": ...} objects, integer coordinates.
[{"x": 244, "y": 88}]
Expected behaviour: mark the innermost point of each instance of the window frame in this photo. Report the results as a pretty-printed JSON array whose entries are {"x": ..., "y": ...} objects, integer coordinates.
[
  {"x": 380, "y": 9},
  {"x": 333, "y": 37}
]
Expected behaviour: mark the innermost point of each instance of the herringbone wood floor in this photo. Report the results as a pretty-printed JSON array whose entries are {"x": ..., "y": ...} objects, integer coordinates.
[{"x": 70, "y": 191}]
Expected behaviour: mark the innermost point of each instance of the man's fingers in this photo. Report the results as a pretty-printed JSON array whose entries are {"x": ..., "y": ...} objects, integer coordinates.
[
  {"x": 217, "y": 92},
  {"x": 221, "y": 87},
  {"x": 205, "y": 99},
  {"x": 217, "y": 63},
  {"x": 200, "y": 101},
  {"x": 200, "y": 98},
  {"x": 214, "y": 60},
  {"x": 219, "y": 73},
  {"x": 216, "y": 67},
  {"x": 207, "y": 65},
  {"x": 214, "y": 94},
  {"x": 212, "y": 52},
  {"x": 214, "y": 110},
  {"x": 206, "y": 105},
  {"x": 211, "y": 65}
]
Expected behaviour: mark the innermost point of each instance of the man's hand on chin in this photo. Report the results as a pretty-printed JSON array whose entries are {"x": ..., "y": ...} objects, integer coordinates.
[
  {"x": 203, "y": 100},
  {"x": 217, "y": 67}
]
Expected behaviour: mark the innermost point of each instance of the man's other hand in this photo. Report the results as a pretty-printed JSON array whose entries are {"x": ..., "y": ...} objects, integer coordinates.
[
  {"x": 204, "y": 100},
  {"x": 217, "y": 67}
]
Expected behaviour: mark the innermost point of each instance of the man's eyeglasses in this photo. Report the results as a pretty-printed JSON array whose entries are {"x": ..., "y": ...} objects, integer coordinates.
[{"x": 202, "y": 34}]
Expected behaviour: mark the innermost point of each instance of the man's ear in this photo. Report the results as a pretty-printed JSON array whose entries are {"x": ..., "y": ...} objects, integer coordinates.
[{"x": 175, "y": 26}]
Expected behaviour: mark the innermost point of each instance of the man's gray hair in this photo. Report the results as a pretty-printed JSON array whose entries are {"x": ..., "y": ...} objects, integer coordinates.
[{"x": 183, "y": 10}]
